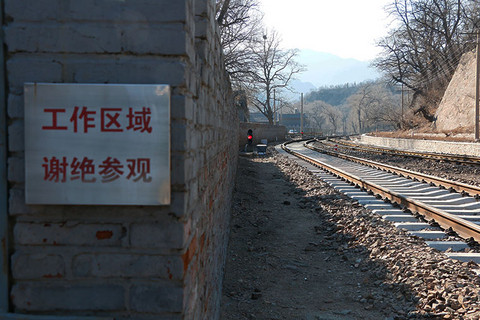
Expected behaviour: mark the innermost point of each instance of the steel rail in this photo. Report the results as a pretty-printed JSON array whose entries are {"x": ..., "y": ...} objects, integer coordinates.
[
  {"x": 440, "y": 182},
  {"x": 429, "y": 155},
  {"x": 463, "y": 228}
]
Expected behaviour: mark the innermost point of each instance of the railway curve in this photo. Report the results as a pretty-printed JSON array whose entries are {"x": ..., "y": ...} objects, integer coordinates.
[{"x": 425, "y": 195}]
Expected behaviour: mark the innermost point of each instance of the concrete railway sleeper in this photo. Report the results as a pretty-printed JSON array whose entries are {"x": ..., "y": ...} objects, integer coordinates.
[
  {"x": 455, "y": 213},
  {"x": 443, "y": 183}
]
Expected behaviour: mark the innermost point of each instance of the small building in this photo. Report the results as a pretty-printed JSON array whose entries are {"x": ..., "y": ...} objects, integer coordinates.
[{"x": 292, "y": 121}]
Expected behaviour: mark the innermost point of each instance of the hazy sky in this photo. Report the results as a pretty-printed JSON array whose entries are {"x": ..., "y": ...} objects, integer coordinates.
[{"x": 346, "y": 28}]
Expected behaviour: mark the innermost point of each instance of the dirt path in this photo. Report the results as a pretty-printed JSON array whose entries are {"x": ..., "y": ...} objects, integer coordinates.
[{"x": 286, "y": 259}]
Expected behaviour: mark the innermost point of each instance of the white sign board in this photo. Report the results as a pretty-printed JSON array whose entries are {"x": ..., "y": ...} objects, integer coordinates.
[{"x": 103, "y": 144}]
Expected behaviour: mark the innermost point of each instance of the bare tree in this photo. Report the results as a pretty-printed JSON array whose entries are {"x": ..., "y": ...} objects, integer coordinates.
[
  {"x": 373, "y": 106},
  {"x": 359, "y": 102},
  {"x": 424, "y": 50},
  {"x": 222, "y": 9},
  {"x": 240, "y": 23},
  {"x": 384, "y": 109},
  {"x": 325, "y": 114},
  {"x": 273, "y": 69},
  {"x": 253, "y": 58},
  {"x": 334, "y": 117},
  {"x": 344, "y": 118},
  {"x": 316, "y": 117},
  {"x": 352, "y": 124}
]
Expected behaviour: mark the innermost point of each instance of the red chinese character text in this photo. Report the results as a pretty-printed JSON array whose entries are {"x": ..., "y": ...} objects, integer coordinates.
[
  {"x": 139, "y": 120},
  {"x": 111, "y": 169},
  {"x": 55, "y": 169},
  {"x": 80, "y": 170},
  {"x": 139, "y": 169},
  {"x": 85, "y": 116},
  {"x": 54, "y": 125},
  {"x": 109, "y": 120}
]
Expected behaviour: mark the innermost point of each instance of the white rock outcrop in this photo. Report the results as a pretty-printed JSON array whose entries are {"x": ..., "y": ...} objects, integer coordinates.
[{"x": 456, "y": 111}]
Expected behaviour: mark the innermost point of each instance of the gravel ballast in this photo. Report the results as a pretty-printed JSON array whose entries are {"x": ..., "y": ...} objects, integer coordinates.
[{"x": 301, "y": 250}]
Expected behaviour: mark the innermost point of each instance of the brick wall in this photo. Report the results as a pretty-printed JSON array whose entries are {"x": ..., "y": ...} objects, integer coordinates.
[{"x": 125, "y": 262}]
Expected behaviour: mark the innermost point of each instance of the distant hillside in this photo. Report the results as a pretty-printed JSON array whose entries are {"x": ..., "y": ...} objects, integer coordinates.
[
  {"x": 302, "y": 87},
  {"x": 298, "y": 87},
  {"x": 325, "y": 69},
  {"x": 334, "y": 95}
]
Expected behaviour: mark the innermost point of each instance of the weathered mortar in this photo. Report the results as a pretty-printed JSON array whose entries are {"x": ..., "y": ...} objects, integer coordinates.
[{"x": 130, "y": 262}]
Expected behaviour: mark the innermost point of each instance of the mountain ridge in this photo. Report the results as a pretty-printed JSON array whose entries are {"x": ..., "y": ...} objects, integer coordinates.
[{"x": 326, "y": 69}]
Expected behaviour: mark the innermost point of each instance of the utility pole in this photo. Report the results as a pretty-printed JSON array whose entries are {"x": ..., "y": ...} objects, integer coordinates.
[
  {"x": 274, "y": 109},
  {"x": 280, "y": 116},
  {"x": 401, "y": 123},
  {"x": 477, "y": 88},
  {"x": 301, "y": 116}
]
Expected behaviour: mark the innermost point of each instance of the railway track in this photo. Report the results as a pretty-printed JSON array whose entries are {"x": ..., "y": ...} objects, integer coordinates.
[
  {"x": 348, "y": 145},
  {"x": 443, "y": 183},
  {"x": 432, "y": 200}
]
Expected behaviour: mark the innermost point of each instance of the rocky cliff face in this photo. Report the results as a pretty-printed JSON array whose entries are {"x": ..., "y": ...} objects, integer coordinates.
[{"x": 456, "y": 111}]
